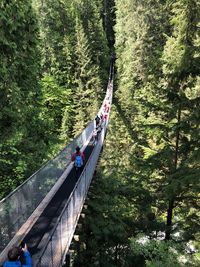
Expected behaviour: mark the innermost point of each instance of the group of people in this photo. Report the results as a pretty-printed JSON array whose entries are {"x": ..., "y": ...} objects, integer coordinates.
[
  {"x": 78, "y": 157},
  {"x": 98, "y": 127},
  {"x": 102, "y": 117}
]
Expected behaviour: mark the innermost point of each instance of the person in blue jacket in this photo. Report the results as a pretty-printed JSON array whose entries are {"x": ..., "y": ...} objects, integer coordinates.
[{"x": 14, "y": 255}]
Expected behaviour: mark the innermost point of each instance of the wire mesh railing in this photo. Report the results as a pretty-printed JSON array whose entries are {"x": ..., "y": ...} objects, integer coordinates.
[
  {"x": 17, "y": 207},
  {"x": 62, "y": 234},
  {"x": 60, "y": 238},
  {"x": 20, "y": 204}
]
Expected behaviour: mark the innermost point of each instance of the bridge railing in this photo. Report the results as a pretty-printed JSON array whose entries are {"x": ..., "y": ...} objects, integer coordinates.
[
  {"x": 61, "y": 236},
  {"x": 16, "y": 208}
]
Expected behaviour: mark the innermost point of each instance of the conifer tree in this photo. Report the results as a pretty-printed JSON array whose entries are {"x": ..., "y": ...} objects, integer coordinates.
[
  {"x": 159, "y": 95},
  {"x": 181, "y": 69},
  {"x": 58, "y": 63},
  {"x": 19, "y": 91},
  {"x": 72, "y": 37},
  {"x": 156, "y": 97},
  {"x": 86, "y": 98},
  {"x": 91, "y": 59}
]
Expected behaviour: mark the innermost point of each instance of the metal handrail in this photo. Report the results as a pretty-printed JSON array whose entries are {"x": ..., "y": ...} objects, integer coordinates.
[
  {"x": 42, "y": 167},
  {"x": 65, "y": 209},
  {"x": 56, "y": 166},
  {"x": 50, "y": 171}
]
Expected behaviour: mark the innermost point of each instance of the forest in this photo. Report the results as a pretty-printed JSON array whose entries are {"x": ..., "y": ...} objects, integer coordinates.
[{"x": 144, "y": 206}]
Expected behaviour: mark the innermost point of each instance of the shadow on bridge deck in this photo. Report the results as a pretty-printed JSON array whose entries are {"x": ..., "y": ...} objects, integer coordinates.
[{"x": 38, "y": 234}]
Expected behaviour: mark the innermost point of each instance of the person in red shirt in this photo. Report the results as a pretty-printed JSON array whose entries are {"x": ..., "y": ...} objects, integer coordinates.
[{"x": 78, "y": 158}]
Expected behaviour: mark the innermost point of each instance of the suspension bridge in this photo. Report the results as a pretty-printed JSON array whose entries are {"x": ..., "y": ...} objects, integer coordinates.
[{"x": 44, "y": 211}]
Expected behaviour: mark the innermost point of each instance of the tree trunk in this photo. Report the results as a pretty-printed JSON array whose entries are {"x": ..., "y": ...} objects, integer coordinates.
[
  {"x": 169, "y": 219},
  {"x": 171, "y": 201}
]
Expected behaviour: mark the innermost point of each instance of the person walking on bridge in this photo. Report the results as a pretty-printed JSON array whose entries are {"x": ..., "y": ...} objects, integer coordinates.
[
  {"x": 78, "y": 158},
  {"x": 97, "y": 120}
]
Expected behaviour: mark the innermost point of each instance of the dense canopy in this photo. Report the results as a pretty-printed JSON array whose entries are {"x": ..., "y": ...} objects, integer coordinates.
[{"x": 144, "y": 206}]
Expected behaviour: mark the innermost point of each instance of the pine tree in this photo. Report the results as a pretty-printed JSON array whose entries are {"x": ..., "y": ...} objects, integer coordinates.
[
  {"x": 181, "y": 69},
  {"x": 158, "y": 94},
  {"x": 58, "y": 63},
  {"x": 86, "y": 97},
  {"x": 91, "y": 60},
  {"x": 72, "y": 37},
  {"x": 19, "y": 90}
]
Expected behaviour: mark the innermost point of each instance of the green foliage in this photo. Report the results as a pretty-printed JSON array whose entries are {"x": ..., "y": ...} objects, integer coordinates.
[
  {"x": 43, "y": 77},
  {"x": 152, "y": 93},
  {"x": 88, "y": 83},
  {"x": 55, "y": 100},
  {"x": 149, "y": 174},
  {"x": 157, "y": 253},
  {"x": 19, "y": 90},
  {"x": 74, "y": 53}
]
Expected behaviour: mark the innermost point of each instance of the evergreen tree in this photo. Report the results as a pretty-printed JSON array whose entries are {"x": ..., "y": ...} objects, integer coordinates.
[
  {"x": 160, "y": 106},
  {"x": 91, "y": 58},
  {"x": 152, "y": 164},
  {"x": 109, "y": 21},
  {"x": 58, "y": 63},
  {"x": 86, "y": 97},
  {"x": 181, "y": 72},
  {"x": 19, "y": 91},
  {"x": 72, "y": 37}
]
